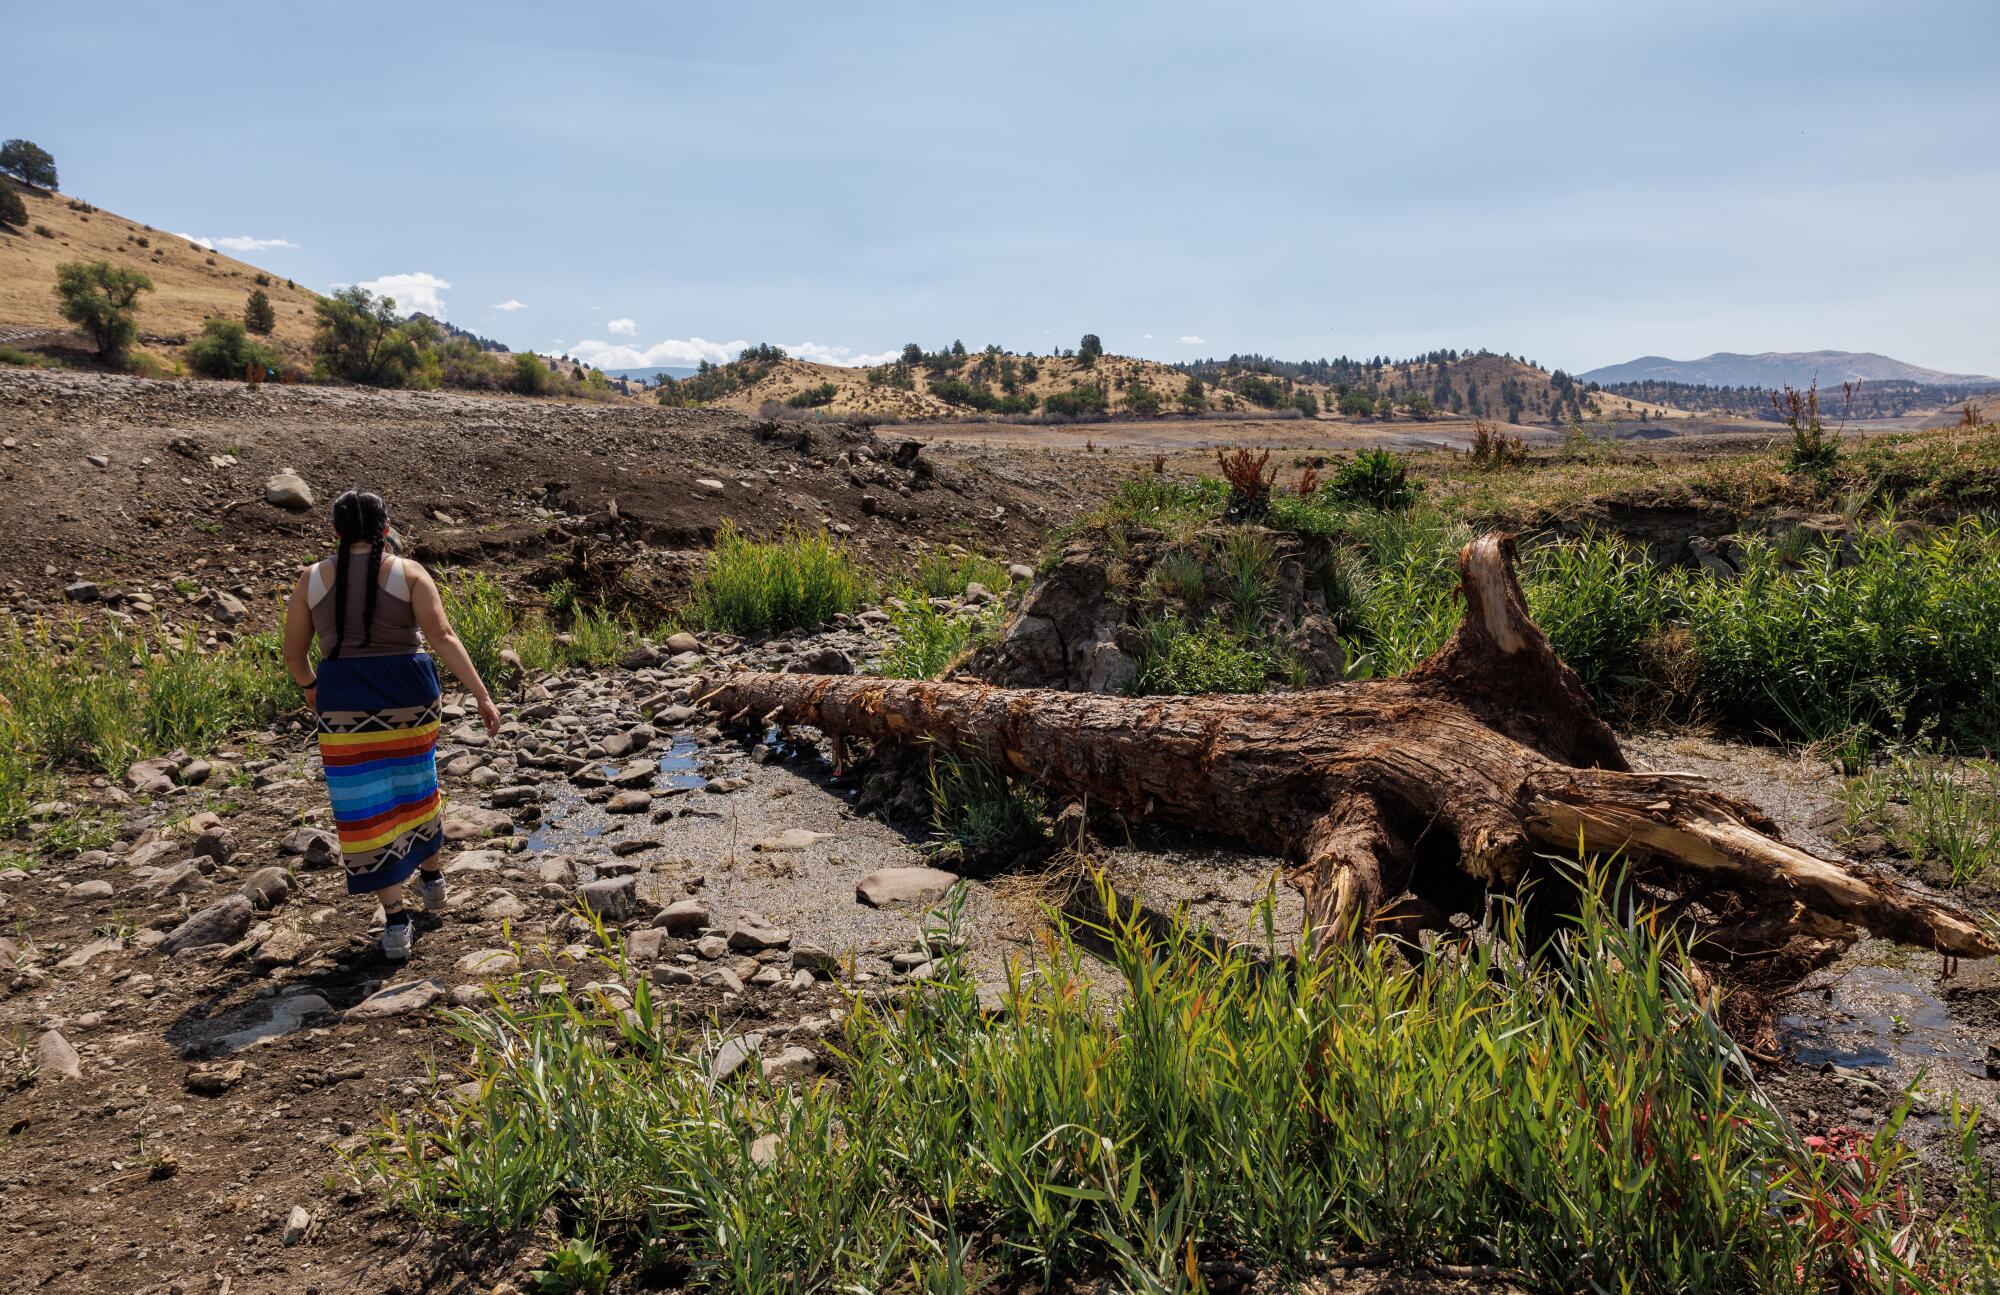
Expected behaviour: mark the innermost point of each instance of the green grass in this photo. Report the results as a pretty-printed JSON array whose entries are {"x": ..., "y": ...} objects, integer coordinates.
[
  {"x": 1598, "y": 599},
  {"x": 95, "y": 699},
  {"x": 755, "y": 588},
  {"x": 1568, "y": 1119},
  {"x": 976, "y": 808},
  {"x": 928, "y": 640},
  {"x": 942, "y": 573},
  {"x": 1932, "y": 809},
  {"x": 1182, "y": 658},
  {"x": 488, "y": 624}
]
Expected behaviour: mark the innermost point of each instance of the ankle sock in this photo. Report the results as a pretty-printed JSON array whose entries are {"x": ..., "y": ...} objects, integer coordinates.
[{"x": 401, "y": 917}]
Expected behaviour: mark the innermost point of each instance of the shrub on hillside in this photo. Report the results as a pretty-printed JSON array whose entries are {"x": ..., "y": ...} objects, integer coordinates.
[
  {"x": 29, "y": 163},
  {"x": 531, "y": 376},
  {"x": 258, "y": 316},
  {"x": 224, "y": 350},
  {"x": 1142, "y": 399},
  {"x": 13, "y": 211},
  {"x": 1077, "y": 402},
  {"x": 101, "y": 298},
  {"x": 362, "y": 339},
  {"x": 813, "y": 397}
]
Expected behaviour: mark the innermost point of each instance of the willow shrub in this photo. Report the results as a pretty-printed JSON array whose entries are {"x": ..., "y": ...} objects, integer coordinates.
[
  {"x": 1881, "y": 634},
  {"x": 1570, "y": 1118},
  {"x": 756, "y": 587}
]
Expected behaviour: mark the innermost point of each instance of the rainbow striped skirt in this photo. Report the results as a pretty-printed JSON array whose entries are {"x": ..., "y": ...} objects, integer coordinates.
[{"x": 378, "y": 726}]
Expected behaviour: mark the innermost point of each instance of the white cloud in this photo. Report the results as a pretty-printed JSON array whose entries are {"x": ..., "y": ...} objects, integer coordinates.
[
  {"x": 412, "y": 292},
  {"x": 240, "y": 243},
  {"x": 511, "y": 304},
  {"x": 626, "y": 326},
  {"x": 688, "y": 352},
  {"x": 1189, "y": 339},
  {"x": 1149, "y": 337}
]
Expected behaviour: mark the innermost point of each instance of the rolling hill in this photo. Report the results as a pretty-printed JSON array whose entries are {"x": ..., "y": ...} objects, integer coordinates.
[
  {"x": 190, "y": 283},
  {"x": 1774, "y": 369},
  {"x": 1002, "y": 384}
]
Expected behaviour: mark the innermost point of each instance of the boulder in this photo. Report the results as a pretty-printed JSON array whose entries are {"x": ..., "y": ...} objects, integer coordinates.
[
  {"x": 612, "y": 898},
  {"x": 683, "y": 917}
]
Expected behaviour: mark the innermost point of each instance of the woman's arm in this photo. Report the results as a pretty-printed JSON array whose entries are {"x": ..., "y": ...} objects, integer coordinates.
[
  {"x": 429, "y": 609},
  {"x": 298, "y": 640}
]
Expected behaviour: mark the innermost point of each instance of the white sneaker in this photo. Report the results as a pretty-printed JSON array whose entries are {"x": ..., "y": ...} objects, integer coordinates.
[
  {"x": 396, "y": 941},
  {"x": 431, "y": 890}
]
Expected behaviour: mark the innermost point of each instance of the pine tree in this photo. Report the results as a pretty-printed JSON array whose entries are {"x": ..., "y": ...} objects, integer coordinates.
[{"x": 258, "y": 316}]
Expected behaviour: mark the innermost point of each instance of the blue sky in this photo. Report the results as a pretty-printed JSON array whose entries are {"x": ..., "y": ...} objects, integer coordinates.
[{"x": 1578, "y": 182}]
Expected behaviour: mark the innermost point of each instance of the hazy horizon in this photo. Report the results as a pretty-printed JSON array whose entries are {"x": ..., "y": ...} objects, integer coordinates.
[{"x": 647, "y": 187}]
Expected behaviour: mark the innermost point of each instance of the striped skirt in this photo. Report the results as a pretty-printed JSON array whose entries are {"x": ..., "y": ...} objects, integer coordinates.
[{"x": 378, "y": 726}]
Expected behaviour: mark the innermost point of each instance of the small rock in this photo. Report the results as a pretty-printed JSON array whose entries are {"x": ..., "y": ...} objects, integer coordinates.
[
  {"x": 229, "y": 609},
  {"x": 296, "y": 1225},
  {"x": 503, "y": 907},
  {"x": 815, "y": 959},
  {"x": 629, "y": 802},
  {"x": 288, "y": 490},
  {"x": 215, "y": 1078},
  {"x": 888, "y": 886},
  {"x": 792, "y": 838},
  {"x": 98, "y": 460},
  {"x": 96, "y": 888},
  {"x": 82, "y": 957},
  {"x": 792, "y": 1063},
  {"x": 644, "y": 946},
  {"x": 316, "y": 848},
  {"x": 612, "y": 898},
  {"x": 56, "y": 1058},
  {"x": 1021, "y": 573},
  {"x": 222, "y": 922},
  {"x": 734, "y": 1052},
  {"x": 684, "y": 917},
  {"x": 82, "y": 591},
  {"x": 268, "y": 887},
  {"x": 682, "y": 642},
  {"x": 489, "y": 962},
  {"x": 711, "y": 947},
  {"x": 471, "y": 823},
  {"x": 397, "y": 1000},
  {"x": 753, "y": 932},
  {"x": 194, "y": 773}
]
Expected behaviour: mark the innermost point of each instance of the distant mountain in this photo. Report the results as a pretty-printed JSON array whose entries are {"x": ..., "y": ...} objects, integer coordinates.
[
  {"x": 649, "y": 375},
  {"x": 1774, "y": 369}
]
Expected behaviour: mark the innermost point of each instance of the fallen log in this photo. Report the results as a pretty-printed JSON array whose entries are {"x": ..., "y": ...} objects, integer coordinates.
[{"x": 1448, "y": 782}]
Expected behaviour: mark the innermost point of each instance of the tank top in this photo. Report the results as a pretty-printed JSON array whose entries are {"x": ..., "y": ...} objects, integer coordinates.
[{"x": 395, "y": 623}]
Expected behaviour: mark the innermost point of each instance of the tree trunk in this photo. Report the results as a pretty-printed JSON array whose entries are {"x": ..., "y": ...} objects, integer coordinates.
[{"x": 1448, "y": 781}]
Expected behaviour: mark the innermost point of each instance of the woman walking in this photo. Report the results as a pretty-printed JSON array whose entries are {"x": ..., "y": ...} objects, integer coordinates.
[{"x": 378, "y": 704}]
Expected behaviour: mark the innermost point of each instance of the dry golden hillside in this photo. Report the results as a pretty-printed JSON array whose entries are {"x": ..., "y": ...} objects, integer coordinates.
[
  {"x": 896, "y": 391},
  {"x": 189, "y": 283}
]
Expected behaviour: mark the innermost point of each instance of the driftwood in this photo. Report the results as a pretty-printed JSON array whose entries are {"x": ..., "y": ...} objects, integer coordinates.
[{"x": 1449, "y": 782}]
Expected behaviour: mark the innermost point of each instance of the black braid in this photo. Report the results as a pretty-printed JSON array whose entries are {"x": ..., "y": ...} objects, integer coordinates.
[
  {"x": 374, "y": 581},
  {"x": 339, "y": 602},
  {"x": 357, "y": 516}
]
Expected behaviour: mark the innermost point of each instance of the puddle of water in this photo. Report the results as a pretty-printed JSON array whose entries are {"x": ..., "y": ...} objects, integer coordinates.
[
  {"x": 564, "y": 801},
  {"x": 1875, "y": 1016}
]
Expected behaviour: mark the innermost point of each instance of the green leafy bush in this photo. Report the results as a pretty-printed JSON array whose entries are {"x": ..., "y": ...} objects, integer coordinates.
[
  {"x": 258, "y": 315},
  {"x": 224, "y": 350},
  {"x": 531, "y": 376},
  {"x": 1077, "y": 402},
  {"x": 755, "y": 588},
  {"x": 813, "y": 397},
  {"x": 1598, "y": 599},
  {"x": 13, "y": 212},
  {"x": 1377, "y": 478},
  {"x": 101, "y": 299}
]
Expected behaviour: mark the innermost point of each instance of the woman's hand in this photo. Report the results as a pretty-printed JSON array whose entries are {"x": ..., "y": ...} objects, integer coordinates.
[{"x": 489, "y": 715}]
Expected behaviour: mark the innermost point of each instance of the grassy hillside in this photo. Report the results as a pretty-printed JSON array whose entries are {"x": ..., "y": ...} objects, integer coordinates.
[
  {"x": 1002, "y": 384},
  {"x": 189, "y": 283}
]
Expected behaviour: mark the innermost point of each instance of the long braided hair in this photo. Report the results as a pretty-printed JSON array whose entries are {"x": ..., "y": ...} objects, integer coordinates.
[{"x": 357, "y": 515}]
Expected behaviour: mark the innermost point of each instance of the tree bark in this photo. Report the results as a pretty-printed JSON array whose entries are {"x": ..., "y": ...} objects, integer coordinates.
[{"x": 1448, "y": 781}]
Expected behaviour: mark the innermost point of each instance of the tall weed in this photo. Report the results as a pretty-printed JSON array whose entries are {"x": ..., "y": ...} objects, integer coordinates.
[{"x": 800, "y": 579}]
